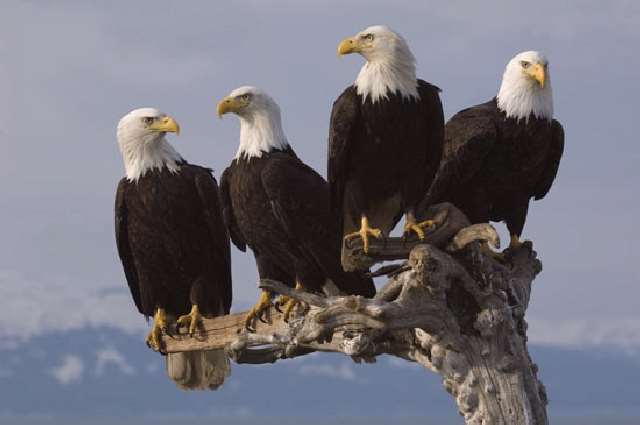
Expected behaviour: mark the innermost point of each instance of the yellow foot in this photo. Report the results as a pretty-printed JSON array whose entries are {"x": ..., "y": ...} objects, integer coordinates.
[
  {"x": 154, "y": 339},
  {"x": 191, "y": 320},
  {"x": 260, "y": 309},
  {"x": 286, "y": 305},
  {"x": 418, "y": 228},
  {"x": 364, "y": 233}
]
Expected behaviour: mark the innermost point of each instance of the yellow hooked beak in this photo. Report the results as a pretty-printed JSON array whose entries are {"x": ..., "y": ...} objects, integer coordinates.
[
  {"x": 166, "y": 124},
  {"x": 230, "y": 104},
  {"x": 536, "y": 71},
  {"x": 349, "y": 45}
]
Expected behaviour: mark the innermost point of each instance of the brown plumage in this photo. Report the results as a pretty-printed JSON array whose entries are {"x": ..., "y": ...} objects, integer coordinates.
[
  {"x": 175, "y": 252},
  {"x": 278, "y": 206},
  {"x": 382, "y": 156},
  {"x": 494, "y": 165},
  {"x": 172, "y": 241}
]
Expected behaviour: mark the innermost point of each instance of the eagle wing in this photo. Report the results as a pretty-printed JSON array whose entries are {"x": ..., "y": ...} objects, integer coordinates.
[
  {"x": 344, "y": 115},
  {"x": 207, "y": 188},
  {"x": 469, "y": 137},
  {"x": 227, "y": 211},
  {"x": 299, "y": 197},
  {"x": 122, "y": 242},
  {"x": 432, "y": 111},
  {"x": 553, "y": 161}
]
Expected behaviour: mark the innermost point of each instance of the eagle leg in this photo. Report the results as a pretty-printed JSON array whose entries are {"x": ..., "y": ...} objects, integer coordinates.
[
  {"x": 191, "y": 320},
  {"x": 364, "y": 233},
  {"x": 286, "y": 305},
  {"x": 159, "y": 325},
  {"x": 411, "y": 225},
  {"x": 514, "y": 243},
  {"x": 260, "y": 309}
]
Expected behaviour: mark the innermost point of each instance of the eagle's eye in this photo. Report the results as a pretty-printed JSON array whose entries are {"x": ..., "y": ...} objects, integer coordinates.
[
  {"x": 525, "y": 64},
  {"x": 368, "y": 37},
  {"x": 246, "y": 97},
  {"x": 148, "y": 120}
]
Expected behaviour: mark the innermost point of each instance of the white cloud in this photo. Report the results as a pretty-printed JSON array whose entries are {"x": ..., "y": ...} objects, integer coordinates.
[
  {"x": 343, "y": 371},
  {"x": 620, "y": 333},
  {"x": 69, "y": 371},
  {"x": 37, "y": 308},
  {"x": 107, "y": 356}
]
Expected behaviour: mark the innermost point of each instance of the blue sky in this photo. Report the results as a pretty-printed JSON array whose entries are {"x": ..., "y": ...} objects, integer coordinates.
[{"x": 70, "y": 70}]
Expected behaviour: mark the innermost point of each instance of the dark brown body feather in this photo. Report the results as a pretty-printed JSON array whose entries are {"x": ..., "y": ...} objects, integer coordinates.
[
  {"x": 382, "y": 156},
  {"x": 278, "y": 206},
  {"x": 493, "y": 165},
  {"x": 172, "y": 241}
]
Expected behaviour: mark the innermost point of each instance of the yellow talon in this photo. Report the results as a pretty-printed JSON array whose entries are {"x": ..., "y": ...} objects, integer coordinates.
[
  {"x": 364, "y": 233},
  {"x": 258, "y": 310},
  {"x": 191, "y": 320},
  {"x": 411, "y": 225},
  {"x": 287, "y": 303},
  {"x": 154, "y": 339},
  {"x": 418, "y": 228},
  {"x": 286, "y": 306}
]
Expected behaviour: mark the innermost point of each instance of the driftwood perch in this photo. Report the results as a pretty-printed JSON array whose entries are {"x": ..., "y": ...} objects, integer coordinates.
[
  {"x": 447, "y": 218},
  {"x": 452, "y": 307}
]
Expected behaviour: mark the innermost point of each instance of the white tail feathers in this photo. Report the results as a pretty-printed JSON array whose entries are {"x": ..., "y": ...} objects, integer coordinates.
[{"x": 198, "y": 370}]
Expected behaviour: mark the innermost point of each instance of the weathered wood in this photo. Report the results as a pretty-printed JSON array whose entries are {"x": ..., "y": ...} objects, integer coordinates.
[
  {"x": 448, "y": 221},
  {"x": 452, "y": 307},
  {"x": 217, "y": 332}
]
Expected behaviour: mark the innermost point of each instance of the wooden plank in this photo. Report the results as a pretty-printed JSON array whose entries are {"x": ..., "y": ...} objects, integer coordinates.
[{"x": 218, "y": 332}]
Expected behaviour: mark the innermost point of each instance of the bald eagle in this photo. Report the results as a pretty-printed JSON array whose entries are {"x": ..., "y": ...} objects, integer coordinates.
[
  {"x": 502, "y": 153},
  {"x": 279, "y": 206},
  {"x": 172, "y": 241},
  {"x": 385, "y": 139}
]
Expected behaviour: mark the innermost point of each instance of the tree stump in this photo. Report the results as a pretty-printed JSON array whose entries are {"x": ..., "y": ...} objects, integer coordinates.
[{"x": 453, "y": 306}]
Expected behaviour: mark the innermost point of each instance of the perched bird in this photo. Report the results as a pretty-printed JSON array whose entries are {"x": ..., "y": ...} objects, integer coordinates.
[
  {"x": 279, "y": 206},
  {"x": 501, "y": 153},
  {"x": 172, "y": 241},
  {"x": 385, "y": 139}
]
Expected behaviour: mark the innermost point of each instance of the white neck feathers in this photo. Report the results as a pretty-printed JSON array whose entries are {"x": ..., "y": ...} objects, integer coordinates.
[
  {"x": 142, "y": 155},
  {"x": 261, "y": 131},
  {"x": 381, "y": 76},
  {"x": 521, "y": 97}
]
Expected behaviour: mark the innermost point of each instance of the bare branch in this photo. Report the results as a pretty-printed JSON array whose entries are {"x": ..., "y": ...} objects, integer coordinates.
[
  {"x": 451, "y": 307},
  {"x": 447, "y": 219}
]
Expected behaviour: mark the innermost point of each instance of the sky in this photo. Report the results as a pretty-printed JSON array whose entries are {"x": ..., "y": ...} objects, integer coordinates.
[{"x": 71, "y": 69}]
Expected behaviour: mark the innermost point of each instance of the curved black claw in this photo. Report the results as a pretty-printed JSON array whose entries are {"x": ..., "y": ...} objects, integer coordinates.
[
  {"x": 192, "y": 320},
  {"x": 261, "y": 309}
]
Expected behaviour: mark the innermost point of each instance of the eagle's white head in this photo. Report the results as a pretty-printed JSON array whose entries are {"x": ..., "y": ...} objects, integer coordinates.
[
  {"x": 390, "y": 64},
  {"x": 526, "y": 87},
  {"x": 141, "y": 137},
  {"x": 260, "y": 122}
]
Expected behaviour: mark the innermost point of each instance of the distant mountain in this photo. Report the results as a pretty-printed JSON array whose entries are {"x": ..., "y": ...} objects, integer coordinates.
[{"x": 107, "y": 373}]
